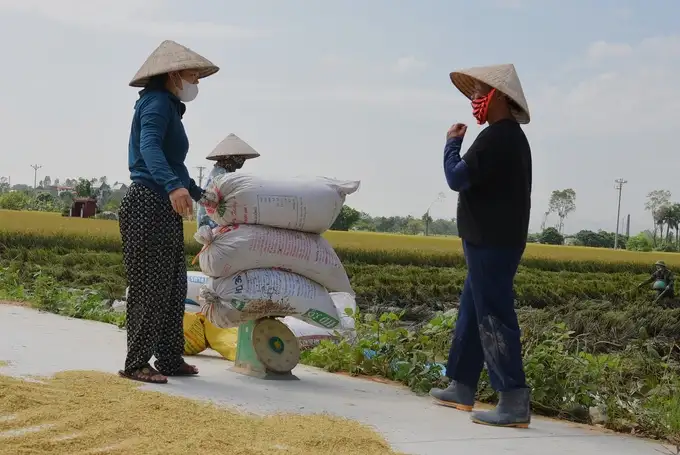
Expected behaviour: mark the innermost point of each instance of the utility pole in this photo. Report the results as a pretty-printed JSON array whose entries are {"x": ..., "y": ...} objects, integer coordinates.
[
  {"x": 200, "y": 175},
  {"x": 545, "y": 220},
  {"x": 35, "y": 174},
  {"x": 200, "y": 185},
  {"x": 619, "y": 188},
  {"x": 439, "y": 197}
]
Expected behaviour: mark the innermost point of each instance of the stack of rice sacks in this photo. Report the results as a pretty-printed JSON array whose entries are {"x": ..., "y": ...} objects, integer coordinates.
[{"x": 267, "y": 257}]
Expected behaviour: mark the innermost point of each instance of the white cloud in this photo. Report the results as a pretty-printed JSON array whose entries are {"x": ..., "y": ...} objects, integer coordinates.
[
  {"x": 356, "y": 66},
  {"x": 602, "y": 49},
  {"x": 387, "y": 93},
  {"x": 623, "y": 13},
  {"x": 123, "y": 16},
  {"x": 333, "y": 61},
  {"x": 623, "y": 88},
  {"x": 610, "y": 116},
  {"x": 407, "y": 64},
  {"x": 512, "y": 4}
]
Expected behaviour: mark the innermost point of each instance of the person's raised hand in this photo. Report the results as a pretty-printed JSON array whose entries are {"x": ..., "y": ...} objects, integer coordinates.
[
  {"x": 181, "y": 201},
  {"x": 457, "y": 130}
]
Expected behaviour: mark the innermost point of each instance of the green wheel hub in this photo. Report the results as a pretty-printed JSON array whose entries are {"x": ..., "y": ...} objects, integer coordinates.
[{"x": 267, "y": 349}]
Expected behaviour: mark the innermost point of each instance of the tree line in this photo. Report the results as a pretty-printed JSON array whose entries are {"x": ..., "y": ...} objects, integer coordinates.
[
  {"x": 58, "y": 196},
  {"x": 351, "y": 219},
  {"x": 663, "y": 235}
]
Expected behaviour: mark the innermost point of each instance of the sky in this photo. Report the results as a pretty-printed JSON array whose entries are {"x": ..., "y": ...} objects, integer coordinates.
[{"x": 357, "y": 90}]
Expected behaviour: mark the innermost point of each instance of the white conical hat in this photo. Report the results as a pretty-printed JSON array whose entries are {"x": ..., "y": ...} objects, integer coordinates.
[
  {"x": 501, "y": 77},
  {"x": 171, "y": 56},
  {"x": 232, "y": 145}
]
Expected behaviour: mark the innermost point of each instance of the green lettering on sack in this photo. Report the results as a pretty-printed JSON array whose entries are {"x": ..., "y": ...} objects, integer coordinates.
[
  {"x": 239, "y": 304},
  {"x": 321, "y": 318},
  {"x": 221, "y": 208}
]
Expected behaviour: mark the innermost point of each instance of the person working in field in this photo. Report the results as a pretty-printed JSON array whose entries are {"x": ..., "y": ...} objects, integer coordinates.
[
  {"x": 663, "y": 281},
  {"x": 493, "y": 180},
  {"x": 229, "y": 156}
]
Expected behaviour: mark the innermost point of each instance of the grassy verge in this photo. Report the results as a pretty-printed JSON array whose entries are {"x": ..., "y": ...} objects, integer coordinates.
[
  {"x": 47, "y": 294},
  {"x": 636, "y": 388}
]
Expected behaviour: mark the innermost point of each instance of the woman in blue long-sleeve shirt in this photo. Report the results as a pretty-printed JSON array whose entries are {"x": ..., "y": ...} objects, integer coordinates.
[{"x": 151, "y": 223}]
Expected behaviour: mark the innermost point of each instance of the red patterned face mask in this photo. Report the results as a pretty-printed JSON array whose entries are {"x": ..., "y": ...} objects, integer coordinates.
[{"x": 480, "y": 107}]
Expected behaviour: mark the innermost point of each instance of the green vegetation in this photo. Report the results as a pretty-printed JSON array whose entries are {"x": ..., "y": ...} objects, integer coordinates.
[
  {"x": 591, "y": 339},
  {"x": 635, "y": 387}
]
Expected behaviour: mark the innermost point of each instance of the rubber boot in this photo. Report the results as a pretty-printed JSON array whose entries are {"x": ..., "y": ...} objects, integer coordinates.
[
  {"x": 513, "y": 410},
  {"x": 456, "y": 395}
]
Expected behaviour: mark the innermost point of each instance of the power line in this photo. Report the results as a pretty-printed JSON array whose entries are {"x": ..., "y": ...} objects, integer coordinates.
[
  {"x": 35, "y": 174},
  {"x": 619, "y": 188}
]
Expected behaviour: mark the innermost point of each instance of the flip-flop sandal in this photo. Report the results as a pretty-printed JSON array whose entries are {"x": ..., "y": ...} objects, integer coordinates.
[
  {"x": 184, "y": 370},
  {"x": 144, "y": 374}
]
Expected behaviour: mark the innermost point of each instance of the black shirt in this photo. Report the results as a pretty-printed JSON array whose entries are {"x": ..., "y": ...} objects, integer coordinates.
[{"x": 494, "y": 210}]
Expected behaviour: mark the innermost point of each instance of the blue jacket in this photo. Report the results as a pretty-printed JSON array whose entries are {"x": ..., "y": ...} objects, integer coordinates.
[{"x": 159, "y": 145}]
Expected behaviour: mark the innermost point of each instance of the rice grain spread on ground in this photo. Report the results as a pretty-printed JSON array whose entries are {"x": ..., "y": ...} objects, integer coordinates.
[{"x": 89, "y": 412}]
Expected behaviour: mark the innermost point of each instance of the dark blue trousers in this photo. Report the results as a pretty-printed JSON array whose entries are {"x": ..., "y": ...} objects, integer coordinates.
[{"x": 487, "y": 327}]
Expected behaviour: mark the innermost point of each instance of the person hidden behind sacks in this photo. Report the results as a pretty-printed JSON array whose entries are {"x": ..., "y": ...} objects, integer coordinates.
[{"x": 229, "y": 156}]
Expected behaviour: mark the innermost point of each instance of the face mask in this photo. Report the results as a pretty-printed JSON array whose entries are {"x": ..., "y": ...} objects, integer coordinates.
[
  {"x": 480, "y": 107},
  {"x": 188, "y": 92}
]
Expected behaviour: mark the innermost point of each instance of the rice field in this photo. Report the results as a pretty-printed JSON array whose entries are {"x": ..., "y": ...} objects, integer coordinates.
[{"x": 54, "y": 224}]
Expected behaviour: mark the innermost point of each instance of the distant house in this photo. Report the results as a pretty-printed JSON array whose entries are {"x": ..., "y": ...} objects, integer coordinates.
[
  {"x": 119, "y": 187},
  {"x": 64, "y": 189},
  {"x": 57, "y": 190},
  {"x": 83, "y": 207}
]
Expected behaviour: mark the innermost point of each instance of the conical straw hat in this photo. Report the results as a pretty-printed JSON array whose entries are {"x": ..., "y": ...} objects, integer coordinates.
[
  {"x": 171, "y": 56},
  {"x": 501, "y": 77},
  {"x": 232, "y": 145}
]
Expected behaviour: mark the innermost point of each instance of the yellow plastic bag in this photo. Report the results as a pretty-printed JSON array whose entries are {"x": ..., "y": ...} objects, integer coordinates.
[
  {"x": 194, "y": 333},
  {"x": 222, "y": 340}
]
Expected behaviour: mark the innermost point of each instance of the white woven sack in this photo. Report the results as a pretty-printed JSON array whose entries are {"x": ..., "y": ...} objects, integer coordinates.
[
  {"x": 300, "y": 204},
  {"x": 254, "y": 294},
  {"x": 195, "y": 280},
  {"x": 231, "y": 249},
  {"x": 309, "y": 336}
]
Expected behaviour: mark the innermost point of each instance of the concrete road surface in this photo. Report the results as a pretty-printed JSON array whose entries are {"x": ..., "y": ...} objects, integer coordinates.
[{"x": 40, "y": 343}]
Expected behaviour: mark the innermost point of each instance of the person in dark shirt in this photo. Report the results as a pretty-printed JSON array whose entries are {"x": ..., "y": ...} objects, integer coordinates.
[
  {"x": 663, "y": 279},
  {"x": 493, "y": 180}
]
